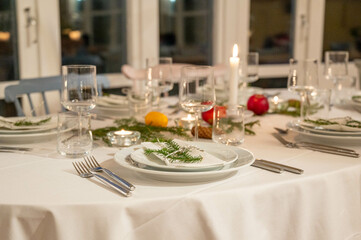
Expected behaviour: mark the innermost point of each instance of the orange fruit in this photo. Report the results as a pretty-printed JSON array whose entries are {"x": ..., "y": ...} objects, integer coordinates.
[{"x": 156, "y": 119}]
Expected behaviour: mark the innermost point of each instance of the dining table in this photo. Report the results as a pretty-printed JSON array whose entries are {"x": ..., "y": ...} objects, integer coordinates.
[{"x": 43, "y": 197}]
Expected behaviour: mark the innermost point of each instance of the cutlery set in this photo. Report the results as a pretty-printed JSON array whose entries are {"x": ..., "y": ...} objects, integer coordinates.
[
  {"x": 315, "y": 146},
  {"x": 90, "y": 166}
]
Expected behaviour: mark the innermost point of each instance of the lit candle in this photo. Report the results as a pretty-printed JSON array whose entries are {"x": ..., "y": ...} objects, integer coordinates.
[
  {"x": 123, "y": 133},
  {"x": 187, "y": 122},
  {"x": 189, "y": 118},
  {"x": 233, "y": 81}
]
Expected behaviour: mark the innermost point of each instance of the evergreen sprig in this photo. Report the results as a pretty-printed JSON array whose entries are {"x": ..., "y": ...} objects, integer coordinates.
[
  {"x": 25, "y": 122},
  {"x": 147, "y": 133},
  {"x": 175, "y": 153}
]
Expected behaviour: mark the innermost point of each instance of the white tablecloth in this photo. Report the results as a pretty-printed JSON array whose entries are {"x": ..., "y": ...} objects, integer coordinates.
[{"x": 42, "y": 197}]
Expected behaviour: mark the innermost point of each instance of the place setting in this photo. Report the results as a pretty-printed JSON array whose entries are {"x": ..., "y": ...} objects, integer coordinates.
[{"x": 18, "y": 130}]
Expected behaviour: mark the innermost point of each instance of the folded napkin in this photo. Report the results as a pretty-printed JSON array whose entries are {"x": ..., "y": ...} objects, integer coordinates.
[
  {"x": 345, "y": 124},
  {"x": 213, "y": 158}
]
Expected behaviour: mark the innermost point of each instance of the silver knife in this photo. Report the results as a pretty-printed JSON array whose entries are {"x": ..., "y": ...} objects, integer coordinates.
[
  {"x": 282, "y": 166},
  {"x": 261, "y": 165}
]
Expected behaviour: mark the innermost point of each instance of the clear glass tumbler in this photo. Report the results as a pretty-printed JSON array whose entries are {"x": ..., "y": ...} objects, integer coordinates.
[
  {"x": 74, "y": 138},
  {"x": 228, "y": 125}
]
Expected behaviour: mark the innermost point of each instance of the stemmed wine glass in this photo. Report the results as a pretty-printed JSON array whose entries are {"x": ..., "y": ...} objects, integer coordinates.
[
  {"x": 197, "y": 93},
  {"x": 303, "y": 79},
  {"x": 248, "y": 68},
  {"x": 159, "y": 76},
  {"x": 248, "y": 73},
  {"x": 336, "y": 70},
  {"x": 79, "y": 91}
]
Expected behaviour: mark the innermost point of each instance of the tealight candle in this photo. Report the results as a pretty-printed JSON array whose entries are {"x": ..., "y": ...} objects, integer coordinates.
[
  {"x": 187, "y": 122},
  {"x": 123, "y": 138},
  {"x": 275, "y": 102}
]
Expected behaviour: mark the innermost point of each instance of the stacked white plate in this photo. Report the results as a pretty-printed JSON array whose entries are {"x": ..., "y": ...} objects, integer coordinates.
[
  {"x": 333, "y": 131},
  {"x": 218, "y": 161},
  {"x": 355, "y": 102},
  {"x": 112, "y": 104},
  {"x": 11, "y": 133}
]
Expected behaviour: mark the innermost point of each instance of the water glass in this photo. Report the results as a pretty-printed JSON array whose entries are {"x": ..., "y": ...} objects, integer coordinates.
[
  {"x": 74, "y": 135},
  {"x": 228, "y": 125},
  {"x": 318, "y": 104}
]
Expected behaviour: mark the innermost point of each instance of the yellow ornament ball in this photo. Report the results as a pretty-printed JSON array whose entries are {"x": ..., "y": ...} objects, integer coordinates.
[{"x": 156, "y": 119}]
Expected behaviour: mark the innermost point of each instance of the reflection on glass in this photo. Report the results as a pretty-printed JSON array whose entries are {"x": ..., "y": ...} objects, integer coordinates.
[
  {"x": 93, "y": 32},
  {"x": 342, "y": 31},
  {"x": 186, "y": 30},
  {"x": 270, "y": 30}
]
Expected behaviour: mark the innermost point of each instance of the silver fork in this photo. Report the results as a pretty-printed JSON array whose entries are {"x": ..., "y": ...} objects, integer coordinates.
[
  {"x": 94, "y": 166},
  {"x": 326, "y": 147},
  {"x": 84, "y": 172},
  {"x": 315, "y": 147}
]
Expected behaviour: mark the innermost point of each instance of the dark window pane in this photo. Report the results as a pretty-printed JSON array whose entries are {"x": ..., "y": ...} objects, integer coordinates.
[
  {"x": 186, "y": 30},
  {"x": 190, "y": 5},
  {"x": 95, "y": 35},
  {"x": 270, "y": 30},
  {"x": 101, "y": 4},
  {"x": 8, "y": 42},
  {"x": 343, "y": 27},
  {"x": 101, "y": 33}
]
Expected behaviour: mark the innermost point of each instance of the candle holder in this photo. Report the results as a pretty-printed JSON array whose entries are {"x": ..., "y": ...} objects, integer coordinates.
[
  {"x": 123, "y": 138},
  {"x": 186, "y": 122}
]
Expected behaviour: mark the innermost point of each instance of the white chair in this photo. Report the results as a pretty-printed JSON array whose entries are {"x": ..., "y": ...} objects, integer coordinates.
[{"x": 40, "y": 85}]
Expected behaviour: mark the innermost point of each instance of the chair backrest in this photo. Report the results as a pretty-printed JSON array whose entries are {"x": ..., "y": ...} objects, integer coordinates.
[
  {"x": 140, "y": 74},
  {"x": 41, "y": 85}
]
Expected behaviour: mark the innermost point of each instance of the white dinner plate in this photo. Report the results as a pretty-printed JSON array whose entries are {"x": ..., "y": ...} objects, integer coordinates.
[
  {"x": 356, "y": 105},
  {"x": 320, "y": 131},
  {"x": 325, "y": 137},
  {"x": 215, "y": 156},
  {"x": 28, "y": 138},
  {"x": 51, "y": 124},
  {"x": 245, "y": 159}
]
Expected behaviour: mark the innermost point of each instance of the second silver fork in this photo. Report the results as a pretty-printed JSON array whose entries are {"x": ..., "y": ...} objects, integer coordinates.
[{"x": 95, "y": 167}]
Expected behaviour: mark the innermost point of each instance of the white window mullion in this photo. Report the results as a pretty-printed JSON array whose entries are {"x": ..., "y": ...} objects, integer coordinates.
[
  {"x": 316, "y": 11},
  {"x": 142, "y": 31},
  {"x": 230, "y": 26}
]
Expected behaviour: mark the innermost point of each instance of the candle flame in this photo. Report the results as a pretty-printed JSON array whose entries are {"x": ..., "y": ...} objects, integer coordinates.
[{"x": 235, "y": 50}]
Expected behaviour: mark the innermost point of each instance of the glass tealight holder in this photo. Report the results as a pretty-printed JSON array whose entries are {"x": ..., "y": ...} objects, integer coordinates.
[
  {"x": 123, "y": 138},
  {"x": 187, "y": 122}
]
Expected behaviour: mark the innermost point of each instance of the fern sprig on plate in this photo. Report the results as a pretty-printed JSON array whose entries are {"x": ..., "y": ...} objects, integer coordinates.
[{"x": 175, "y": 153}]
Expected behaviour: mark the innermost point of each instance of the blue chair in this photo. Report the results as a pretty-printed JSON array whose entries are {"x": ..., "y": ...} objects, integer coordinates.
[{"x": 41, "y": 85}]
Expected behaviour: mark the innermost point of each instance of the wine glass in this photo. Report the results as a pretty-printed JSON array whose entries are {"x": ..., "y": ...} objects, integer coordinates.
[
  {"x": 303, "y": 79},
  {"x": 248, "y": 73},
  {"x": 159, "y": 76},
  {"x": 248, "y": 68},
  {"x": 336, "y": 70},
  {"x": 197, "y": 93},
  {"x": 79, "y": 92}
]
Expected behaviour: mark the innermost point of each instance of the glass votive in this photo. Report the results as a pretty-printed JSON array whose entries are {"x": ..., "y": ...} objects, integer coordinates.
[
  {"x": 228, "y": 125},
  {"x": 318, "y": 104},
  {"x": 186, "y": 122},
  {"x": 275, "y": 103},
  {"x": 123, "y": 138}
]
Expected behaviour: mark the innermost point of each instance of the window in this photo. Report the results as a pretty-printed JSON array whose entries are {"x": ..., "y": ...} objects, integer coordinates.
[
  {"x": 186, "y": 30},
  {"x": 342, "y": 29},
  {"x": 93, "y": 32},
  {"x": 271, "y": 24}
]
